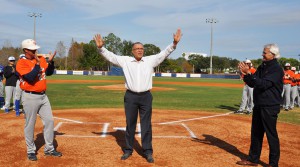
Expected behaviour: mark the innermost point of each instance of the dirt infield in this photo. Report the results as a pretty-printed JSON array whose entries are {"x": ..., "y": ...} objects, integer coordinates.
[{"x": 94, "y": 137}]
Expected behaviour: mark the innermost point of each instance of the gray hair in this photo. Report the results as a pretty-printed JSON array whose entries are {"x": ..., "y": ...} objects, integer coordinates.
[{"x": 273, "y": 49}]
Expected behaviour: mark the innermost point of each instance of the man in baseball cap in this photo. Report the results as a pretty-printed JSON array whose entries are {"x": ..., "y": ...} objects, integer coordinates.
[
  {"x": 32, "y": 72},
  {"x": 11, "y": 58},
  {"x": 30, "y": 44},
  {"x": 287, "y": 81},
  {"x": 9, "y": 72},
  {"x": 247, "y": 95}
]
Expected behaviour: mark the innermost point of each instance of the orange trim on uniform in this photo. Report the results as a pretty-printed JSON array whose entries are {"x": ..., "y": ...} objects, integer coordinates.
[
  {"x": 290, "y": 74},
  {"x": 252, "y": 70},
  {"x": 24, "y": 66}
]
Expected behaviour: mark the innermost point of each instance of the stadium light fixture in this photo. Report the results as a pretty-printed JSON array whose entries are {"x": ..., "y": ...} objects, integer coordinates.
[
  {"x": 211, "y": 21},
  {"x": 34, "y": 15}
]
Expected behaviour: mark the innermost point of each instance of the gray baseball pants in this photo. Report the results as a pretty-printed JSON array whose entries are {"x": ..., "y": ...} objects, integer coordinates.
[
  {"x": 247, "y": 99},
  {"x": 9, "y": 93},
  {"x": 34, "y": 104},
  {"x": 18, "y": 91},
  {"x": 1, "y": 89},
  {"x": 294, "y": 94},
  {"x": 286, "y": 93}
]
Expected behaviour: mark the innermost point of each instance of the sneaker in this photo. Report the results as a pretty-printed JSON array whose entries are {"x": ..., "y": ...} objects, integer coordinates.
[
  {"x": 286, "y": 109},
  {"x": 149, "y": 158},
  {"x": 6, "y": 110},
  {"x": 238, "y": 112},
  {"x": 2, "y": 108},
  {"x": 291, "y": 108},
  {"x": 53, "y": 153},
  {"x": 32, "y": 156}
]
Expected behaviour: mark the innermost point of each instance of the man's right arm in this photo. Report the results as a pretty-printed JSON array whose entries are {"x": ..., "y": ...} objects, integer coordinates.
[
  {"x": 111, "y": 57},
  {"x": 7, "y": 72},
  {"x": 30, "y": 77}
]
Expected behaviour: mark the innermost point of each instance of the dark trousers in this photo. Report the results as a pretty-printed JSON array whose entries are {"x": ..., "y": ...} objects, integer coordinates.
[
  {"x": 264, "y": 119},
  {"x": 138, "y": 103}
]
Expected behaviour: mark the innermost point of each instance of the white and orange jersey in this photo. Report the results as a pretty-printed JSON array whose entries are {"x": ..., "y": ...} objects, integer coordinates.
[
  {"x": 288, "y": 75},
  {"x": 252, "y": 70},
  {"x": 24, "y": 66}
]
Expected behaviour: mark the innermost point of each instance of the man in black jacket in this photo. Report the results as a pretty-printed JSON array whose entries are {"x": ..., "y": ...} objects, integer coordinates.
[
  {"x": 11, "y": 80},
  {"x": 268, "y": 85}
]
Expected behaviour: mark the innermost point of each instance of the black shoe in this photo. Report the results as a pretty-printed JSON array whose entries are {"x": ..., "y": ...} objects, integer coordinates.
[
  {"x": 286, "y": 109},
  {"x": 149, "y": 158},
  {"x": 125, "y": 156},
  {"x": 32, "y": 156},
  {"x": 248, "y": 112},
  {"x": 53, "y": 153},
  {"x": 238, "y": 112}
]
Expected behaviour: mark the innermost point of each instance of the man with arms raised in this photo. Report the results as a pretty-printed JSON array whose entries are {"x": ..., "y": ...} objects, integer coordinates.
[{"x": 138, "y": 72}]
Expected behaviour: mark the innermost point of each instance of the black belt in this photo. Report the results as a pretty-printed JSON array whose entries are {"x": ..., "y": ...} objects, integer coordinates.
[
  {"x": 36, "y": 93},
  {"x": 138, "y": 93}
]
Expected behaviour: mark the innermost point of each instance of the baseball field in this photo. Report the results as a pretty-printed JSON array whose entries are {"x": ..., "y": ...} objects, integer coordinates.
[{"x": 193, "y": 125}]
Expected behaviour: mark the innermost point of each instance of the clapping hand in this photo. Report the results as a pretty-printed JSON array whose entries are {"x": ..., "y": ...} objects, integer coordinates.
[{"x": 244, "y": 68}]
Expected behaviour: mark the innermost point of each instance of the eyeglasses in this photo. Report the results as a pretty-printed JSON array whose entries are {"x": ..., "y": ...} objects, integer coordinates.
[
  {"x": 138, "y": 49},
  {"x": 32, "y": 51}
]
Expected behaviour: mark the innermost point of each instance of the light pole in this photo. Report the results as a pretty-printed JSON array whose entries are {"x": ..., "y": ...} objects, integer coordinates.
[
  {"x": 34, "y": 15},
  {"x": 211, "y": 21}
]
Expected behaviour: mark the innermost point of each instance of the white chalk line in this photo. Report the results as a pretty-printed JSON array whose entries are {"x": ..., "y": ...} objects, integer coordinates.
[
  {"x": 57, "y": 126},
  {"x": 192, "y": 119},
  {"x": 162, "y": 137},
  {"x": 104, "y": 130},
  {"x": 189, "y": 130},
  {"x": 106, "y": 125},
  {"x": 70, "y": 120}
]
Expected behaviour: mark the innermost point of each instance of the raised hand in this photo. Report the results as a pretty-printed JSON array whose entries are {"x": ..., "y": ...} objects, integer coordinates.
[
  {"x": 51, "y": 57},
  {"x": 177, "y": 36},
  {"x": 99, "y": 41}
]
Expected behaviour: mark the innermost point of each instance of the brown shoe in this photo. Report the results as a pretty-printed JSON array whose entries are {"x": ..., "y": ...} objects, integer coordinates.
[{"x": 246, "y": 163}]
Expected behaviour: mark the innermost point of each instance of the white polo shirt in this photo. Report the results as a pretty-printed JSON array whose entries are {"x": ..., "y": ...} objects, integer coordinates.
[{"x": 138, "y": 74}]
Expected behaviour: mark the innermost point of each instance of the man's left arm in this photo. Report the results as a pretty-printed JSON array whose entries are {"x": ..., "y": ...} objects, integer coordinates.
[
  {"x": 165, "y": 53},
  {"x": 265, "y": 82},
  {"x": 50, "y": 68}
]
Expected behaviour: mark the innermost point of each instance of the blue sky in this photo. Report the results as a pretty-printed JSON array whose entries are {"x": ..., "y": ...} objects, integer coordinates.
[{"x": 243, "y": 28}]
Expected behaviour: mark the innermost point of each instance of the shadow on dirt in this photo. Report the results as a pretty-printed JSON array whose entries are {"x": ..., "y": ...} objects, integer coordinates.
[
  {"x": 39, "y": 141},
  {"x": 119, "y": 135},
  {"x": 229, "y": 107},
  {"x": 214, "y": 141}
]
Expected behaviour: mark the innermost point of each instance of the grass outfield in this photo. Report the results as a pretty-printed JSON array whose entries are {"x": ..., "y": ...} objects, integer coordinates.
[
  {"x": 185, "y": 97},
  {"x": 214, "y": 99}
]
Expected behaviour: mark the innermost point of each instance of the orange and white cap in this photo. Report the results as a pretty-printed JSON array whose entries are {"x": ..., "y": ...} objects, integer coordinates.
[
  {"x": 248, "y": 61},
  {"x": 29, "y": 44}
]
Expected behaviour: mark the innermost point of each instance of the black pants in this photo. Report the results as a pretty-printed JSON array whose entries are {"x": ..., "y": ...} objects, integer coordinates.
[
  {"x": 264, "y": 119},
  {"x": 138, "y": 103}
]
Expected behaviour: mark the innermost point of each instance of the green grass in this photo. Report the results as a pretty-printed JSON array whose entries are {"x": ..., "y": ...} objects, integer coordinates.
[{"x": 202, "y": 98}]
